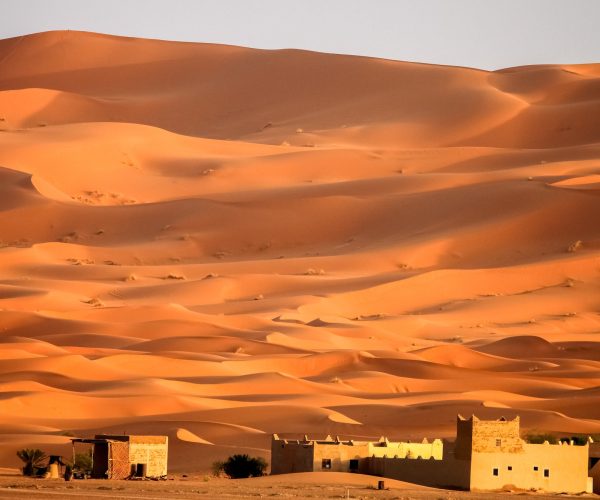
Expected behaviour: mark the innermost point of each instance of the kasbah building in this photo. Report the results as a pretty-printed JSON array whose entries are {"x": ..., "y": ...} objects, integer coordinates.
[{"x": 486, "y": 455}]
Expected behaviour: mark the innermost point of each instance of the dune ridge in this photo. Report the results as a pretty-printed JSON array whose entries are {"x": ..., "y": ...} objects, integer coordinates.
[{"x": 218, "y": 243}]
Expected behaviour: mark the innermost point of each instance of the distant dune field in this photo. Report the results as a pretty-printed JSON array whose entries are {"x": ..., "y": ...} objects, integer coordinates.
[{"x": 217, "y": 243}]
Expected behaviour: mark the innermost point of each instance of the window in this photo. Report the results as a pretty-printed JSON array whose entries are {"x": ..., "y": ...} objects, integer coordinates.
[
  {"x": 498, "y": 442},
  {"x": 326, "y": 463},
  {"x": 509, "y": 467},
  {"x": 546, "y": 472},
  {"x": 353, "y": 465},
  {"x": 495, "y": 472},
  {"x": 535, "y": 467}
]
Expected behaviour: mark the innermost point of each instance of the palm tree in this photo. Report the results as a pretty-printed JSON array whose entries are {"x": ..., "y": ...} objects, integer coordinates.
[{"x": 32, "y": 458}]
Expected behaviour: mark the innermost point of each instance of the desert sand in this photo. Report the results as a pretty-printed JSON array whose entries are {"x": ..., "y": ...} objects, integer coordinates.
[
  {"x": 217, "y": 243},
  {"x": 317, "y": 485}
]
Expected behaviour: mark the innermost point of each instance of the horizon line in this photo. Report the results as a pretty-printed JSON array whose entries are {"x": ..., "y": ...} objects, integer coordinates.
[{"x": 343, "y": 54}]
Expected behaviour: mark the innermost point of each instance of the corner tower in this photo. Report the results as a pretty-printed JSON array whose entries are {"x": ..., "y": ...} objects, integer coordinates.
[{"x": 475, "y": 435}]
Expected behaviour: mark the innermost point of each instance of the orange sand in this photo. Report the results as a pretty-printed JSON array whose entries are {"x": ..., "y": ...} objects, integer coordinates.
[{"x": 218, "y": 243}]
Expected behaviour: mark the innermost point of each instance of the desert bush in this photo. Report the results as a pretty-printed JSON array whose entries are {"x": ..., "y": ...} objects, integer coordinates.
[
  {"x": 242, "y": 466},
  {"x": 578, "y": 440},
  {"x": 539, "y": 438},
  {"x": 217, "y": 468},
  {"x": 83, "y": 462},
  {"x": 96, "y": 302},
  {"x": 314, "y": 272},
  {"x": 32, "y": 458},
  {"x": 575, "y": 246},
  {"x": 174, "y": 276}
]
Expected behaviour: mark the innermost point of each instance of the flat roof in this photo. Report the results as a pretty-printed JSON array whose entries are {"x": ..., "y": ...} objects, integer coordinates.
[
  {"x": 89, "y": 441},
  {"x": 115, "y": 438}
]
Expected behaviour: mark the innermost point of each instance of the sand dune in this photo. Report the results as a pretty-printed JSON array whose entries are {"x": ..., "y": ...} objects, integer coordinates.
[{"x": 218, "y": 243}]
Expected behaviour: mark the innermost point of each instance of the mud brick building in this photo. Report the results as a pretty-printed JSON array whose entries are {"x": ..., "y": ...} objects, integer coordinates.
[
  {"x": 123, "y": 456},
  {"x": 486, "y": 455}
]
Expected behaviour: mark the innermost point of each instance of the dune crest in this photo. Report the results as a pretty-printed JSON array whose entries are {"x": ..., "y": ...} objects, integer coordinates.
[{"x": 185, "y": 435}]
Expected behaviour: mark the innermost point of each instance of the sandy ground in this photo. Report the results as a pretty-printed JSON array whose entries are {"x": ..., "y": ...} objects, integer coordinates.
[
  {"x": 218, "y": 243},
  {"x": 303, "y": 485}
]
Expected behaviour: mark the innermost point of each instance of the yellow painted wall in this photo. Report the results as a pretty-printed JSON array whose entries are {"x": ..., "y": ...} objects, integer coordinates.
[
  {"x": 480, "y": 447},
  {"x": 340, "y": 455},
  {"x": 153, "y": 454},
  {"x": 567, "y": 466},
  {"x": 407, "y": 450},
  {"x": 307, "y": 456}
]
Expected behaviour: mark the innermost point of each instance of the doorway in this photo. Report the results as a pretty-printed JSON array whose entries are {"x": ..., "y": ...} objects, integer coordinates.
[{"x": 138, "y": 470}]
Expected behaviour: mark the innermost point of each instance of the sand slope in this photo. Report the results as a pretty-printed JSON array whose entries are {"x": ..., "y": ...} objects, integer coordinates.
[{"x": 218, "y": 243}]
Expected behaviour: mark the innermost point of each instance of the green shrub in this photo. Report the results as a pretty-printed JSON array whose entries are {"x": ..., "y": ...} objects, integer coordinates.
[
  {"x": 577, "y": 440},
  {"x": 540, "y": 438},
  {"x": 83, "y": 462},
  {"x": 217, "y": 468},
  {"x": 242, "y": 466}
]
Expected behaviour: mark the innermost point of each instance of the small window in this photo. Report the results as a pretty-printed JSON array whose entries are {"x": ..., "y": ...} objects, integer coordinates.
[
  {"x": 535, "y": 467},
  {"x": 326, "y": 463},
  {"x": 353, "y": 465},
  {"x": 498, "y": 442},
  {"x": 509, "y": 467},
  {"x": 546, "y": 472},
  {"x": 495, "y": 472}
]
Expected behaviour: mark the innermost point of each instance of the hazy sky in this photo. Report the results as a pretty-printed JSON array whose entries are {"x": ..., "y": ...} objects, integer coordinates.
[{"x": 481, "y": 33}]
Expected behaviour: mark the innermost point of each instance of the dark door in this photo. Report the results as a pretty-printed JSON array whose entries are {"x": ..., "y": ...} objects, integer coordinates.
[
  {"x": 140, "y": 470},
  {"x": 100, "y": 461}
]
